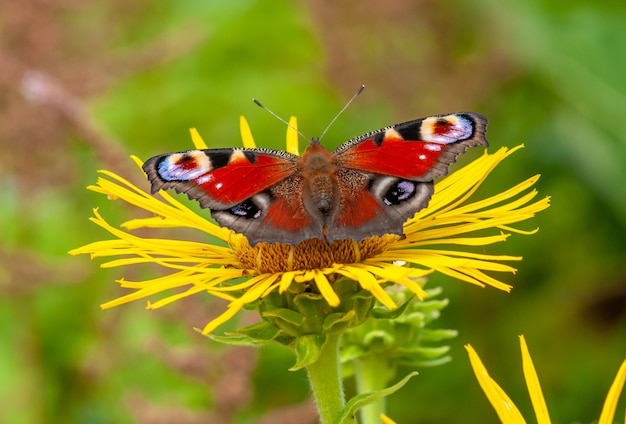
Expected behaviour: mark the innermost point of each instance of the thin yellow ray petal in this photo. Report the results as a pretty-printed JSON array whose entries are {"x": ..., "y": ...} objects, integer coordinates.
[
  {"x": 270, "y": 289},
  {"x": 443, "y": 255},
  {"x": 248, "y": 284},
  {"x": 481, "y": 281},
  {"x": 504, "y": 406},
  {"x": 534, "y": 388},
  {"x": 292, "y": 136},
  {"x": 147, "y": 245},
  {"x": 455, "y": 189},
  {"x": 246, "y": 134},
  {"x": 197, "y": 140},
  {"x": 258, "y": 289},
  {"x": 173, "y": 216},
  {"x": 610, "y": 403},
  {"x": 172, "y": 281},
  {"x": 325, "y": 288},
  {"x": 414, "y": 287},
  {"x": 367, "y": 281},
  {"x": 504, "y": 196},
  {"x": 518, "y": 231},
  {"x": 173, "y": 298},
  {"x": 230, "y": 312},
  {"x": 285, "y": 281},
  {"x": 138, "y": 162},
  {"x": 386, "y": 420},
  {"x": 462, "y": 241}
]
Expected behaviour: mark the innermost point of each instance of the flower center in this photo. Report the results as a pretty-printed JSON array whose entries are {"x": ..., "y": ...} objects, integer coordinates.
[{"x": 310, "y": 254}]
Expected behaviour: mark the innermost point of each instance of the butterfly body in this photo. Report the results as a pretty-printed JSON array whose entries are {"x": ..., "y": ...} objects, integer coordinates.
[{"x": 368, "y": 186}]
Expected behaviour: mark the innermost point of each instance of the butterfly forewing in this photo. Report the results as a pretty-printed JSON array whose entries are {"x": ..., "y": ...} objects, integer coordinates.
[
  {"x": 219, "y": 177},
  {"x": 419, "y": 150}
]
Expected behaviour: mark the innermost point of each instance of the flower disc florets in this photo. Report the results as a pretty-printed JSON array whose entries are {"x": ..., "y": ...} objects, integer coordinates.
[{"x": 310, "y": 254}]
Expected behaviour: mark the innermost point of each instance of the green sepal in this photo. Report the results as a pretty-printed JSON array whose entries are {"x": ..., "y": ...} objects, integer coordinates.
[
  {"x": 285, "y": 319},
  {"x": 338, "y": 321},
  {"x": 307, "y": 350},
  {"x": 363, "y": 399}
]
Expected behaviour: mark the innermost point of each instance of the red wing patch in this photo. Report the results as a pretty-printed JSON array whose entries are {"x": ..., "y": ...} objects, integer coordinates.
[
  {"x": 281, "y": 214},
  {"x": 406, "y": 159},
  {"x": 241, "y": 179},
  {"x": 359, "y": 209}
]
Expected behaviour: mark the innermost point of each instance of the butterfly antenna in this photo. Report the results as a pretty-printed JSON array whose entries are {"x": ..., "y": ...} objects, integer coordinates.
[
  {"x": 354, "y": 96},
  {"x": 258, "y": 103}
]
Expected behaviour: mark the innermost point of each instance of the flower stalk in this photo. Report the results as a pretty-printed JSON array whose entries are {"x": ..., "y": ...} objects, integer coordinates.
[{"x": 326, "y": 382}]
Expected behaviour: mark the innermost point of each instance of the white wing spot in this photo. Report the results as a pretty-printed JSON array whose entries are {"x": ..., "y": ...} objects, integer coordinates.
[
  {"x": 433, "y": 147},
  {"x": 204, "y": 179}
]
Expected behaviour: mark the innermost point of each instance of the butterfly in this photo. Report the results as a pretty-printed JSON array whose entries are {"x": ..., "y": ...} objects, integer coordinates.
[{"x": 368, "y": 186}]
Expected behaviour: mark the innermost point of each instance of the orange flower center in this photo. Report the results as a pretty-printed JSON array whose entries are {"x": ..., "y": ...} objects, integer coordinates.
[{"x": 310, "y": 254}]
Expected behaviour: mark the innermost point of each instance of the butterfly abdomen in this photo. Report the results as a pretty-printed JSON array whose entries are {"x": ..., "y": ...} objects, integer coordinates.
[{"x": 318, "y": 172}]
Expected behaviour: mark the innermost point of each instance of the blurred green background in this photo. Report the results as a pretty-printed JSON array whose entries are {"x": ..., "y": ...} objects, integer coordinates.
[{"x": 85, "y": 84}]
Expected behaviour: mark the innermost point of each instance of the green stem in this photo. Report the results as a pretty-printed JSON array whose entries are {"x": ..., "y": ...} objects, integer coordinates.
[
  {"x": 372, "y": 374},
  {"x": 326, "y": 383}
]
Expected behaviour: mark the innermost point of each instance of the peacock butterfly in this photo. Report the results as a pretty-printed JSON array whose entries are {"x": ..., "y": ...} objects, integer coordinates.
[{"x": 368, "y": 186}]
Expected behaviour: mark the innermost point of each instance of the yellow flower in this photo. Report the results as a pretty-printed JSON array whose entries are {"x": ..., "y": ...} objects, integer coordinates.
[
  {"x": 450, "y": 219},
  {"x": 506, "y": 409}
]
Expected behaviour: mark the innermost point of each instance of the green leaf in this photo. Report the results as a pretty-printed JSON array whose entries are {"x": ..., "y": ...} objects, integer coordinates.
[
  {"x": 383, "y": 313},
  {"x": 235, "y": 340},
  {"x": 437, "y": 335},
  {"x": 308, "y": 350},
  {"x": 433, "y": 305},
  {"x": 423, "y": 363},
  {"x": 379, "y": 338},
  {"x": 363, "y": 399},
  {"x": 352, "y": 352},
  {"x": 424, "y": 352}
]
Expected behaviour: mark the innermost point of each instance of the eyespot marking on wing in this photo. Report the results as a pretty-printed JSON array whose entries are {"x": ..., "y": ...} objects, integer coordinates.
[
  {"x": 185, "y": 166},
  {"x": 446, "y": 129}
]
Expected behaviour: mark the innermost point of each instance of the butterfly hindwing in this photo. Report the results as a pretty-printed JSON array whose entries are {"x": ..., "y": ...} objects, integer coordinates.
[
  {"x": 381, "y": 209},
  {"x": 279, "y": 214}
]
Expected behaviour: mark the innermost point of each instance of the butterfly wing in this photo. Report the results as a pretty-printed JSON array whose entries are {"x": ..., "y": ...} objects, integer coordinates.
[
  {"x": 395, "y": 168},
  {"x": 247, "y": 190}
]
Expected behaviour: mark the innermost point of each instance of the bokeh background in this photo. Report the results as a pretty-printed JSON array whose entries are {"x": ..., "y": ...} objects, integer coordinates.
[{"x": 85, "y": 84}]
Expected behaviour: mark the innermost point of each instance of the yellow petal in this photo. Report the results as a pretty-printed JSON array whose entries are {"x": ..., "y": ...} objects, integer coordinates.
[
  {"x": 610, "y": 404},
  {"x": 198, "y": 142},
  {"x": 534, "y": 388},
  {"x": 292, "y": 136},
  {"x": 386, "y": 420},
  {"x": 246, "y": 134},
  {"x": 504, "y": 406}
]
